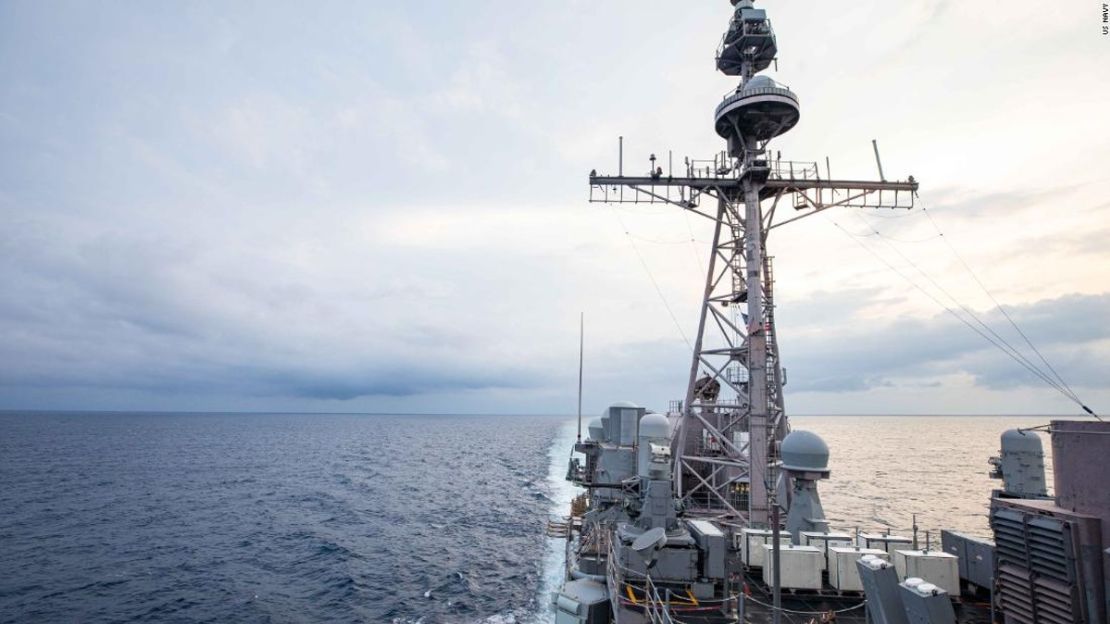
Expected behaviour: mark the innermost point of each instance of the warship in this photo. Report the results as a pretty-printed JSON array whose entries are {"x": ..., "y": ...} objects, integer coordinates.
[{"x": 709, "y": 512}]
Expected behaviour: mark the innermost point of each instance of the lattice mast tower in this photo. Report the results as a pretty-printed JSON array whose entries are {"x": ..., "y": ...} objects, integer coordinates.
[{"x": 733, "y": 417}]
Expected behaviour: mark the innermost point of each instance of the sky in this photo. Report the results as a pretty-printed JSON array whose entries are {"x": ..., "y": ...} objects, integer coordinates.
[{"x": 382, "y": 206}]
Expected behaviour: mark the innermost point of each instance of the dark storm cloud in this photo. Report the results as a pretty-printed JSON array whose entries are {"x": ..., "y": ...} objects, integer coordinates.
[
  {"x": 130, "y": 313},
  {"x": 858, "y": 354}
]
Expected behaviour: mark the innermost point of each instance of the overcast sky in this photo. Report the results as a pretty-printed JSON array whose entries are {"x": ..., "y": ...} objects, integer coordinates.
[{"x": 381, "y": 206}]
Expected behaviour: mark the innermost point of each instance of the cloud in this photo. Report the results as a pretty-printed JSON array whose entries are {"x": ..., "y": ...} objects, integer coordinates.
[
  {"x": 378, "y": 206},
  {"x": 860, "y": 354}
]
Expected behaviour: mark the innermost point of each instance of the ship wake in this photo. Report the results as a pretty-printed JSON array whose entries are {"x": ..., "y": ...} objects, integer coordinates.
[{"x": 560, "y": 491}]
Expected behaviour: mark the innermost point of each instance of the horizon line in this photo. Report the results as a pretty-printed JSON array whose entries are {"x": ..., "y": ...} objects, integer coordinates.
[{"x": 522, "y": 414}]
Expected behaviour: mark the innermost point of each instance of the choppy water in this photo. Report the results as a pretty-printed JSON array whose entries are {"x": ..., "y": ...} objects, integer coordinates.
[
  {"x": 340, "y": 518},
  {"x": 278, "y": 518}
]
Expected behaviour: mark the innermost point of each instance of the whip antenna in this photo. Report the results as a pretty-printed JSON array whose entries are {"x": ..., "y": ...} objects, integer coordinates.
[{"x": 581, "y": 350}]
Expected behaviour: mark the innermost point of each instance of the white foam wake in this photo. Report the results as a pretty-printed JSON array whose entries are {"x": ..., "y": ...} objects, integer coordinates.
[{"x": 562, "y": 491}]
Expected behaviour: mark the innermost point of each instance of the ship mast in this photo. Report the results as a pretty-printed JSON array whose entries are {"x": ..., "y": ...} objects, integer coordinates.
[{"x": 733, "y": 416}]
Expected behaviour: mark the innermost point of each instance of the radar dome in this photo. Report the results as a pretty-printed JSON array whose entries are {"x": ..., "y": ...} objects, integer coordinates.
[
  {"x": 760, "y": 82},
  {"x": 805, "y": 452},
  {"x": 596, "y": 429},
  {"x": 654, "y": 426},
  {"x": 628, "y": 404}
]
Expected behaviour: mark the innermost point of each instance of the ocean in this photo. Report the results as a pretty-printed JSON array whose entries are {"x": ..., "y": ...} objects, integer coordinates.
[{"x": 127, "y": 517}]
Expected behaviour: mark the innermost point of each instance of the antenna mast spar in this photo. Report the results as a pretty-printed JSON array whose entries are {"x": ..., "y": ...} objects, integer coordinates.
[{"x": 733, "y": 418}]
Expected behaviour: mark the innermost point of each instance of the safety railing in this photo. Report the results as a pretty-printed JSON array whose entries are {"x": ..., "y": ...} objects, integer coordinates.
[{"x": 743, "y": 93}]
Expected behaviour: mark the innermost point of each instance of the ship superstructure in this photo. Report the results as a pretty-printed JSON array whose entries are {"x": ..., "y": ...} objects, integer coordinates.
[
  {"x": 733, "y": 417},
  {"x": 708, "y": 512}
]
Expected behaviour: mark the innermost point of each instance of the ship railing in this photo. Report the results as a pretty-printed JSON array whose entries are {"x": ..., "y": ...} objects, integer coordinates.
[
  {"x": 739, "y": 28},
  {"x": 742, "y": 93},
  {"x": 726, "y": 168},
  {"x": 794, "y": 170},
  {"x": 654, "y": 608},
  {"x": 742, "y": 32}
]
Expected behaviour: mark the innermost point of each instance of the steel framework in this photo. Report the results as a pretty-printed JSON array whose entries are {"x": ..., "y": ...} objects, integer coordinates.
[
  {"x": 726, "y": 447},
  {"x": 726, "y": 444}
]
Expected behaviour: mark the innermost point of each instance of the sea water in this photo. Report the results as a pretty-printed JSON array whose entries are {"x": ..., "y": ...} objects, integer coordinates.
[{"x": 369, "y": 518}]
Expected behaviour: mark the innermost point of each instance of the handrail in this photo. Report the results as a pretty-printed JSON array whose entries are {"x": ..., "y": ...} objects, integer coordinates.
[
  {"x": 735, "y": 96},
  {"x": 747, "y": 29}
]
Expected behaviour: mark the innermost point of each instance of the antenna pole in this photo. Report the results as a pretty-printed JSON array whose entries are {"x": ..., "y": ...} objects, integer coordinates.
[
  {"x": 620, "y": 155},
  {"x": 776, "y": 561},
  {"x": 878, "y": 161},
  {"x": 581, "y": 351}
]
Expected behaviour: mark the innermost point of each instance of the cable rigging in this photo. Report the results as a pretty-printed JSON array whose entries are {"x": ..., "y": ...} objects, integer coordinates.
[
  {"x": 1006, "y": 314},
  {"x": 651, "y": 276},
  {"x": 1001, "y": 342},
  {"x": 994, "y": 338}
]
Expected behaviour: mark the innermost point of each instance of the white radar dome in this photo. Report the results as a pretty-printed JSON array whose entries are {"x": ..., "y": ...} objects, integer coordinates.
[
  {"x": 654, "y": 426},
  {"x": 760, "y": 82},
  {"x": 596, "y": 429},
  {"x": 804, "y": 451}
]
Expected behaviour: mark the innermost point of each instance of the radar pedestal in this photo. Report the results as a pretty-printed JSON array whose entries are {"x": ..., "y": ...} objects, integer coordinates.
[
  {"x": 759, "y": 110},
  {"x": 805, "y": 461}
]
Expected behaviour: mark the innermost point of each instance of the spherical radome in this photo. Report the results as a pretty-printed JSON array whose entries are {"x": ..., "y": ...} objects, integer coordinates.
[
  {"x": 805, "y": 451},
  {"x": 760, "y": 82},
  {"x": 654, "y": 426},
  {"x": 596, "y": 429}
]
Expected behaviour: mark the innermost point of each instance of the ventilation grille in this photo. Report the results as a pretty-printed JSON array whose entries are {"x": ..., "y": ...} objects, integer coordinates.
[{"x": 1036, "y": 569}]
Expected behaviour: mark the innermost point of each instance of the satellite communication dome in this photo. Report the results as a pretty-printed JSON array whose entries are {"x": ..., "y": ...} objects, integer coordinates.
[
  {"x": 596, "y": 429},
  {"x": 626, "y": 404},
  {"x": 805, "y": 452},
  {"x": 654, "y": 426},
  {"x": 760, "y": 82}
]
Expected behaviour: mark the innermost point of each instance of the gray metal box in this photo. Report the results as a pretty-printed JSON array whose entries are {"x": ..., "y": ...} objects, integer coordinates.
[
  {"x": 936, "y": 567},
  {"x": 976, "y": 557},
  {"x": 751, "y": 545},
  {"x": 753, "y": 15},
  {"x": 824, "y": 541},
  {"x": 801, "y": 566},
  {"x": 926, "y": 603},
  {"x": 843, "y": 572},
  {"x": 889, "y": 543},
  {"x": 713, "y": 546},
  {"x": 880, "y": 584}
]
